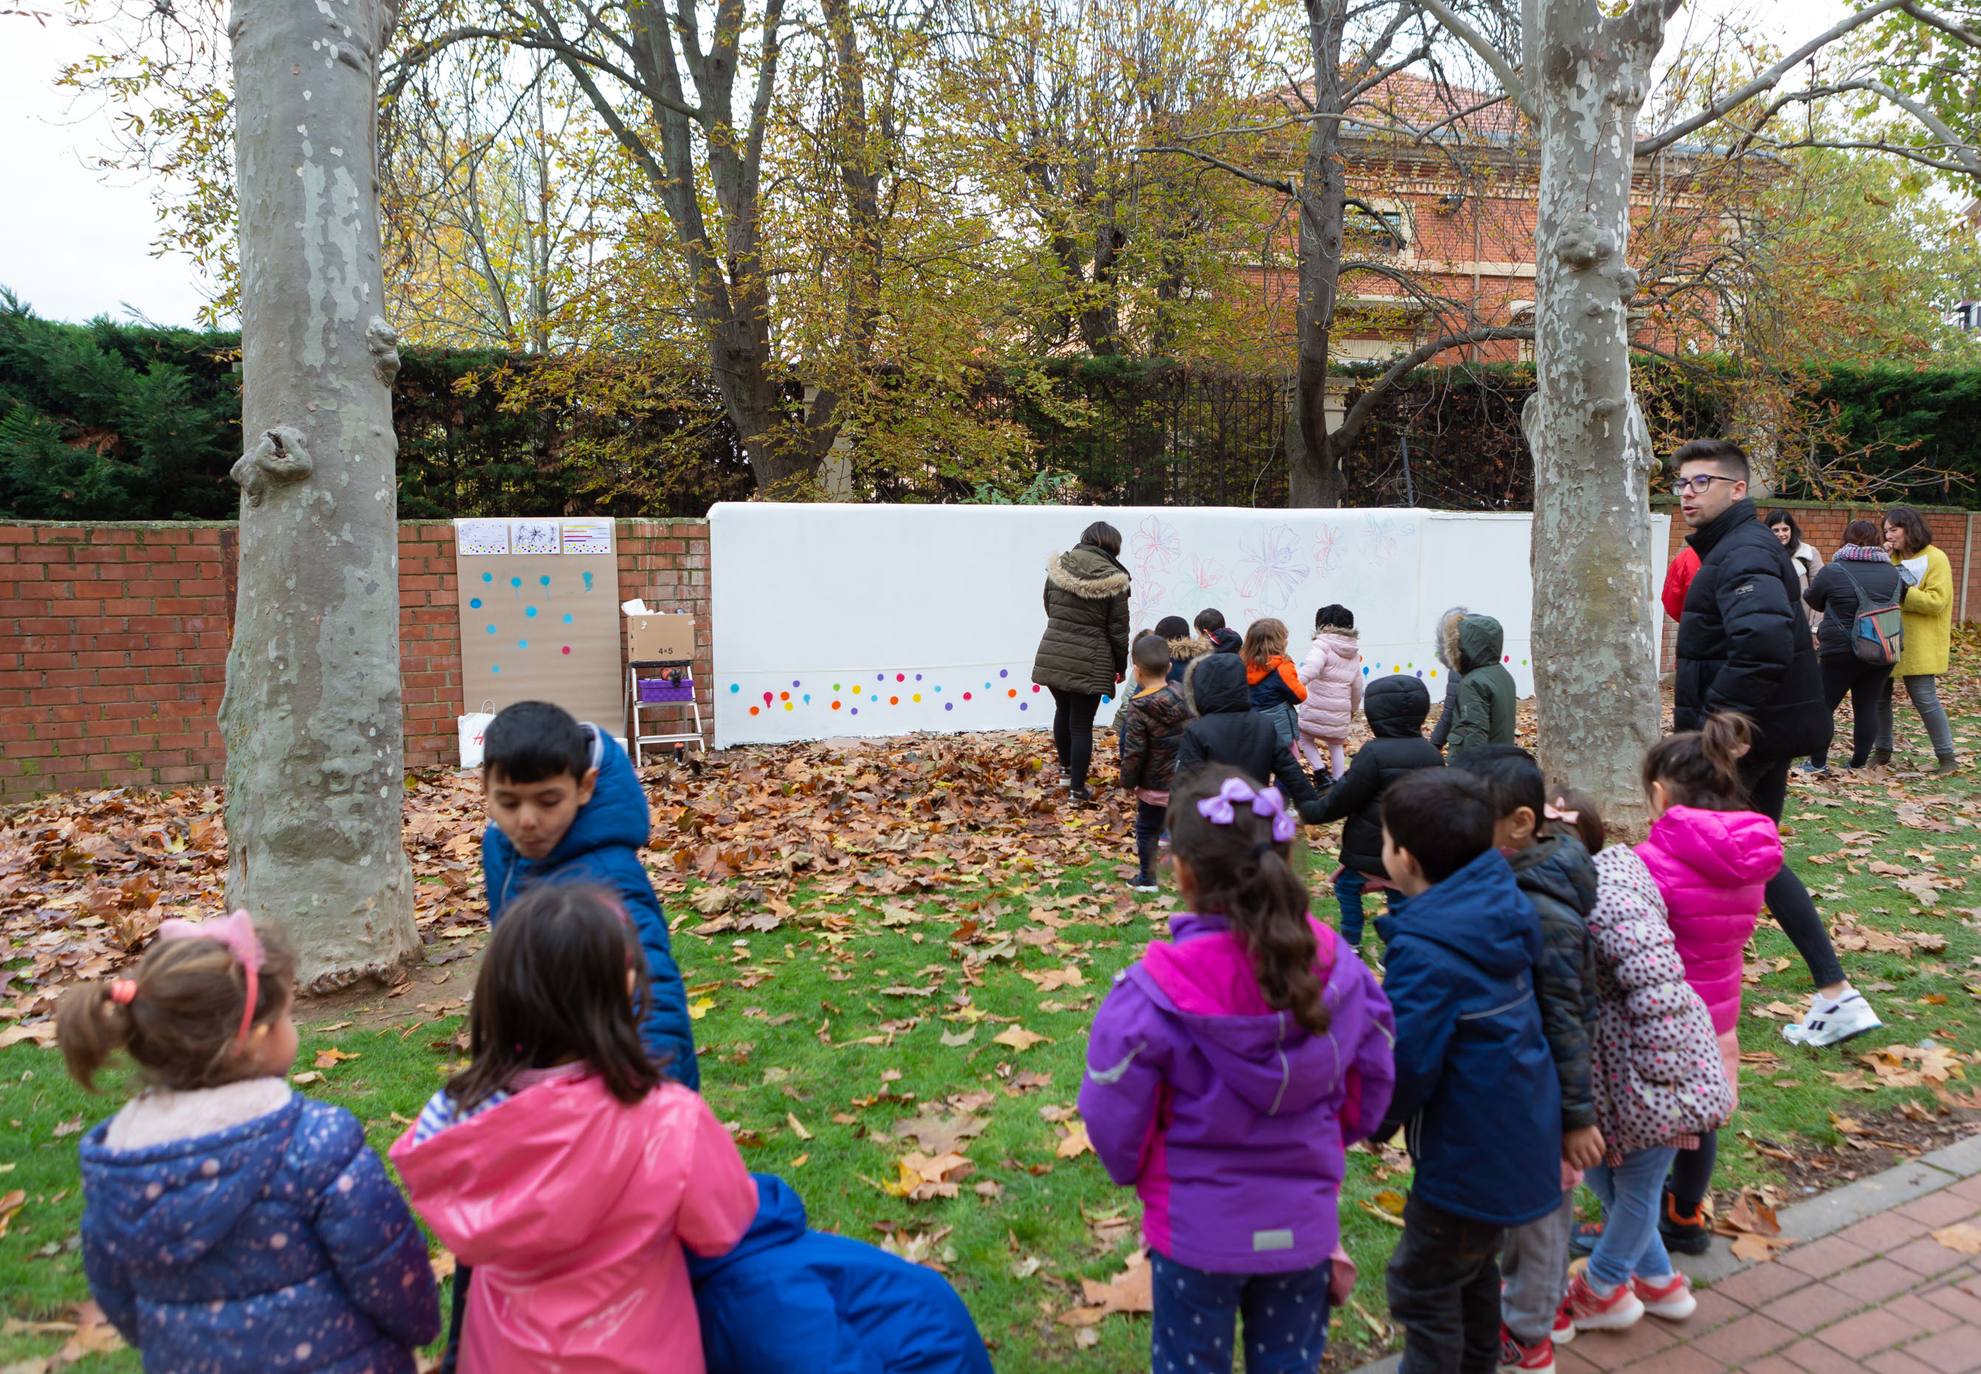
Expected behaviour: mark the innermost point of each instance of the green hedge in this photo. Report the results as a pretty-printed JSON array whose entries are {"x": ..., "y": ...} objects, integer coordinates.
[{"x": 106, "y": 421}]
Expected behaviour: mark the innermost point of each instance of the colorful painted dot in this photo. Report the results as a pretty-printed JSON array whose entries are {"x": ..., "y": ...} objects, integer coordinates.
[
  {"x": 880, "y": 677},
  {"x": 1504, "y": 658},
  {"x": 1012, "y": 693},
  {"x": 1420, "y": 673},
  {"x": 947, "y": 706},
  {"x": 486, "y": 577},
  {"x": 565, "y": 650},
  {"x": 916, "y": 697},
  {"x": 1004, "y": 672},
  {"x": 567, "y": 617},
  {"x": 1035, "y": 692},
  {"x": 835, "y": 687},
  {"x": 918, "y": 678},
  {"x": 515, "y": 581},
  {"x": 808, "y": 698},
  {"x": 475, "y": 605},
  {"x": 767, "y": 698},
  {"x": 522, "y": 644},
  {"x": 891, "y": 701},
  {"x": 835, "y": 706},
  {"x": 543, "y": 581},
  {"x": 986, "y": 686},
  {"x": 753, "y": 711},
  {"x": 734, "y": 688},
  {"x": 938, "y": 691},
  {"x": 588, "y": 581},
  {"x": 796, "y": 683},
  {"x": 1523, "y": 663},
  {"x": 1365, "y": 672},
  {"x": 789, "y": 706},
  {"x": 898, "y": 677},
  {"x": 1026, "y": 705},
  {"x": 1105, "y": 699},
  {"x": 495, "y": 667},
  {"x": 530, "y": 611},
  {"x": 491, "y": 630},
  {"x": 856, "y": 710},
  {"x": 966, "y": 697},
  {"x": 784, "y": 696}
]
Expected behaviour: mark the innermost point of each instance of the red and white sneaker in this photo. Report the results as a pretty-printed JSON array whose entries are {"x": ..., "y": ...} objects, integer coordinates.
[
  {"x": 1564, "y": 1331},
  {"x": 1515, "y": 1357},
  {"x": 1593, "y": 1310},
  {"x": 1672, "y": 1299}
]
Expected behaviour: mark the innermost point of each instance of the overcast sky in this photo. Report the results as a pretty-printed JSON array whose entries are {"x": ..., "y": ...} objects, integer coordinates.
[{"x": 75, "y": 243}]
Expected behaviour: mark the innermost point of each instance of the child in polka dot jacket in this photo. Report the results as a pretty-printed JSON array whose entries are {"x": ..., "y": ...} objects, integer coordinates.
[{"x": 230, "y": 1224}]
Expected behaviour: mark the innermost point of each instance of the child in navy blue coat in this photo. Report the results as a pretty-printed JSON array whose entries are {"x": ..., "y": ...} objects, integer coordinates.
[{"x": 230, "y": 1224}]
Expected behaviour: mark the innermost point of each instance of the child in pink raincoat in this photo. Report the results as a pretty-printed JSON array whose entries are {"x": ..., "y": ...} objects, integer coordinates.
[
  {"x": 1710, "y": 857},
  {"x": 1332, "y": 674},
  {"x": 562, "y": 1167}
]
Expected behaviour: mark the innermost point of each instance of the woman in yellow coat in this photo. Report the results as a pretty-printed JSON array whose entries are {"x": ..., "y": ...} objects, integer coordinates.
[{"x": 1927, "y": 579}]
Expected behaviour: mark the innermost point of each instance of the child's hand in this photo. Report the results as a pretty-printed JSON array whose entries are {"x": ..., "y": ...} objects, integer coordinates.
[{"x": 1583, "y": 1148}]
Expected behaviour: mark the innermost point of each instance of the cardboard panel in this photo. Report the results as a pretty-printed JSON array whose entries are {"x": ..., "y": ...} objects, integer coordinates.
[
  {"x": 884, "y": 620},
  {"x": 659, "y": 638},
  {"x": 541, "y": 626}
]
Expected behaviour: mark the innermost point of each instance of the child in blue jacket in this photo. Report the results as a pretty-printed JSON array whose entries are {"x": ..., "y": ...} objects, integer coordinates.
[
  {"x": 231, "y": 1224},
  {"x": 565, "y": 806},
  {"x": 1476, "y": 1088}
]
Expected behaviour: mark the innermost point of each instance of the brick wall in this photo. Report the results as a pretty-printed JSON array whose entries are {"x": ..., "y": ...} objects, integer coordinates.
[
  {"x": 113, "y": 644},
  {"x": 1956, "y": 533}
]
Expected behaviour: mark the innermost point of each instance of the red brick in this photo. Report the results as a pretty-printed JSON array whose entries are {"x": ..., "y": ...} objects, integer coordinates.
[
  {"x": 1866, "y": 1333},
  {"x": 1962, "y": 1301},
  {"x": 1822, "y": 1258},
  {"x": 1885, "y": 1231},
  {"x": 1943, "y": 1208},
  {"x": 1745, "y": 1338},
  {"x": 1898, "y": 1362},
  {"x": 1808, "y": 1309},
  {"x": 1927, "y": 1257},
  {"x": 1869, "y": 1283},
  {"x": 1681, "y": 1360},
  {"x": 1951, "y": 1352}
]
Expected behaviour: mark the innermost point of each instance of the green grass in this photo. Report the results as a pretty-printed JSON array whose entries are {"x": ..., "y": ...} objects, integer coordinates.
[{"x": 787, "y": 1009}]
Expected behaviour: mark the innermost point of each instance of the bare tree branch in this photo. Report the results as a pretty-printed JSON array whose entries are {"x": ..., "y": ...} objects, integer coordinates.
[
  {"x": 1516, "y": 90},
  {"x": 1358, "y": 414}
]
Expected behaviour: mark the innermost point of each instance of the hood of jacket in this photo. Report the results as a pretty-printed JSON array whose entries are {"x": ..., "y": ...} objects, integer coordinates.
[
  {"x": 780, "y": 1220},
  {"x": 1726, "y": 848},
  {"x": 1344, "y": 643},
  {"x": 1225, "y": 640},
  {"x": 1215, "y": 684},
  {"x": 1259, "y": 672},
  {"x": 617, "y": 815},
  {"x": 1480, "y": 641},
  {"x": 1396, "y": 706},
  {"x": 1478, "y": 914},
  {"x": 1445, "y": 637},
  {"x": 1204, "y": 979},
  {"x": 1557, "y": 867},
  {"x": 1087, "y": 572},
  {"x": 1194, "y": 646},
  {"x": 166, "y": 1206}
]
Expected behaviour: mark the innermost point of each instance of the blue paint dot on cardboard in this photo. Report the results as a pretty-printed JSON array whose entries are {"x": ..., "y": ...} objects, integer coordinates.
[
  {"x": 491, "y": 629},
  {"x": 488, "y": 577},
  {"x": 475, "y": 604},
  {"x": 515, "y": 581},
  {"x": 495, "y": 667},
  {"x": 544, "y": 581},
  {"x": 588, "y": 581},
  {"x": 567, "y": 617},
  {"x": 522, "y": 644},
  {"x": 530, "y": 611},
  {"x": 808, "y": 702}
]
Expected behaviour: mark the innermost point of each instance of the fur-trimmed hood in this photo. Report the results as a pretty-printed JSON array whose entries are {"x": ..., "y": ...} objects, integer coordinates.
[
  {"x": 1193, "y": 646},
  {"x": 1446, "y": 639},
  {"x": 1088, "y": 573}
]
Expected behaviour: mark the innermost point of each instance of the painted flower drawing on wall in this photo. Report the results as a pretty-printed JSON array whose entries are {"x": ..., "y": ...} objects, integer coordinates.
[
  {"x": 1274, "y": 568},
  {"x": 1206, "y": 572},
  {"x": 1327, "y": 549},
  {"x": 1156, "y": 547}
]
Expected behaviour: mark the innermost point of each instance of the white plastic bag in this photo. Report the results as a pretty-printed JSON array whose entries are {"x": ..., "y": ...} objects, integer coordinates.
[{"x": 472, "y": 727}]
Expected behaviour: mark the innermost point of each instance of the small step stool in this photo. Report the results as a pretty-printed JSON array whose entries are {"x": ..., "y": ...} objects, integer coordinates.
[{"x": 649, "y": 689}]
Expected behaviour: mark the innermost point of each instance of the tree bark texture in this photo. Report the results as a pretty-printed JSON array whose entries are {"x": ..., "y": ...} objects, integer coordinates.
[
  {"x": 1314, "y": 478},
  {"x": 311, "y": 714},
  {"x": 1594, "y": 671}
]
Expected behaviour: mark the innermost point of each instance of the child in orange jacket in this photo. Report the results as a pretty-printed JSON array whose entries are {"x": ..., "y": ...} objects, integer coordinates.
[{"x": 1274, "y": 679}]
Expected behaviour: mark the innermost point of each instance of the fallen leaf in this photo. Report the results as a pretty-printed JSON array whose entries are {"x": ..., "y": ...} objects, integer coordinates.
[
  {"x": 957, "y": 1039},
  {"x": 1962, "y": 1238},
  {"x": 70, "y": 1127},
  {"x": 1130, "y": 1291},
  {"x": 700, "y": 1007},
  {"x": 1018, "y": 1038},
  {"x": 1758, "y": 1249},
  {"x": 10, "y": 1203},
  {"x": 331, "y": 1057},
  {"x": 1074, "y": 1143},
  {"x": 797, "y": 1126},
  {"x": 940, "y": 1133}
]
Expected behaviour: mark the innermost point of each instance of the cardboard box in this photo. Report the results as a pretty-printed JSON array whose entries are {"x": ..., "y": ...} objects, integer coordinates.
[{"x": 660, "y": 638}]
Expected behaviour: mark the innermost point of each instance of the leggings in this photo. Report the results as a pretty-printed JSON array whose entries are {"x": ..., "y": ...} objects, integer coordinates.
[
  {"x": 1692, "y": 1173},
  {"x": 1868, "y": 685},
  {"x": 1310, "y": 752},
  {"x": 1073, "y": 732},
  {"x": 1788, "y": 899},
  {"x": 1924, "y": 689}
]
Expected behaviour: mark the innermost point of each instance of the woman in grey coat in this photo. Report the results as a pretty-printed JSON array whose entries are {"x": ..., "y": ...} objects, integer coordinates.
[
  {"x": 1444, "y": 642},
  {"x": 1084, "y": 651}
]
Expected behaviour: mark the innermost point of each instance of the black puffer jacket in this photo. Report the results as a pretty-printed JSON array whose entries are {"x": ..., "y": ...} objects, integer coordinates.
[
  {"x": 1743, "y": 641},
  {"x": 1396, "y": 707},
  {"x": 1151, "y": 729},
  {"x": 1560, "y": 880},
  {"x": 1227, "y": 730},
  {"x": 1838, "y": 590},
  {"x": 1085, "y": 646}
]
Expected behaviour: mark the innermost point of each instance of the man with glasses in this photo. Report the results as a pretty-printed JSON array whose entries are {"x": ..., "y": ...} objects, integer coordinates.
[{"x": 1744, "y": 645}]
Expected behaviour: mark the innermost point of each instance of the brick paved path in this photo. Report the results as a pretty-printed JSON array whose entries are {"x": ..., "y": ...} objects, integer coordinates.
[{"x": 1879, "y": 1294}]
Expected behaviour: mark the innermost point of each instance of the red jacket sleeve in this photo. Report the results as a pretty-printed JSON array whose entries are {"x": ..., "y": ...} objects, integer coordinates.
[{"x": 1678, "y": 580}]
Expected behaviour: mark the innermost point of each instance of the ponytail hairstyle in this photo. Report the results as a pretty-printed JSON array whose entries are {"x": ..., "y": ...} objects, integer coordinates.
[
  {"x": 1264, "y": 640},
  {"x": 1701, "y": 768},
  {"x": 1574, "y": 812},
  {"x": 1243, "y": 872},
  {"x": 552, "y": 990},
  {"x": 184, "y": 1011}
]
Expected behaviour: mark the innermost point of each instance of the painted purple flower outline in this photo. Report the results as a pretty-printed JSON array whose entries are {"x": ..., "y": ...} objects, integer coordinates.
[
  {"x": 1277, "y": 570},
  {"x": 1156, "y": 547}
]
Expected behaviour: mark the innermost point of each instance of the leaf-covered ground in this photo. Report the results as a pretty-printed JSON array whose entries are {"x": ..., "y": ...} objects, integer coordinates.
[{"x": 893, "y": 952}]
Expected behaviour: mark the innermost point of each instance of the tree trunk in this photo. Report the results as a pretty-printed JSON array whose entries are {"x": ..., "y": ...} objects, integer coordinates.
[
  {"x": 1315, "y": 476},
  {"x": 1594, "y": 634},
  {"x": 311, "y": 715}
]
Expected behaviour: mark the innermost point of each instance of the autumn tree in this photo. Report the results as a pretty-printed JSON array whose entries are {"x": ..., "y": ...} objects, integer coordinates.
[{"x": 311, "y": 714}]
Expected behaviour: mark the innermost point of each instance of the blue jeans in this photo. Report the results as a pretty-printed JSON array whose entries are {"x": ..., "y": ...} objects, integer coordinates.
[
  {"x": 1631, "y": 1193},
  {"x": 1286, "y": 1319},
  {"x": 1348, "y": 896}
]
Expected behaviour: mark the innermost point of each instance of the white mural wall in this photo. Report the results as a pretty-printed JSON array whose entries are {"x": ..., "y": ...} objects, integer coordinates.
[{"x": 883, "y": 620}]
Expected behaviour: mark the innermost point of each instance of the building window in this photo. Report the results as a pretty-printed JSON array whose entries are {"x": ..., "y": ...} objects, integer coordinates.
[{"x": 1377, "y": 227}]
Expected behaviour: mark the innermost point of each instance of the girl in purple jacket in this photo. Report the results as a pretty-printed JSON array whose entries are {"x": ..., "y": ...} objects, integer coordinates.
[
  {"x": 1711, "y": 857},
  {"x": 1227, "y": 1074}
]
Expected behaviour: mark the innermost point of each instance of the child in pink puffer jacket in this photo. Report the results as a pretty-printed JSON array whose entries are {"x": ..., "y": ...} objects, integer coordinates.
[
  {"x": 1710, "y": 858},
  {"x": 1332, "y": 674}
]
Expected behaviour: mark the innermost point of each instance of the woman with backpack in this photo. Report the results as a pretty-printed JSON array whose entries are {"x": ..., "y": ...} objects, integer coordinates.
[{"x": 1857, "y": 586}]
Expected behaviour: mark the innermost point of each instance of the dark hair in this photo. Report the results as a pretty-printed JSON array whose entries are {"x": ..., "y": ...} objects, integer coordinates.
[
  {"x": 1210, "y": 619},
  {"x": 1263, "y": 639},
  {"x": 1781, "y": 516},
  {"x": 1863, "y": 533},
  {"x": 1173, "y": 627},
  {"x": 1243, "y": 875},
  {"x": 1701, "y": 768},
  {"x": 1152, "y": 653},
  {"x": 1512, "y": 779},
  {"x": 533, "y": 741},
  {"x": 1334, "y": 616},
  {"x": 1912, "y": 525},
  {"x": 182, "y": 1024},
  {"x": 1588, "y": 823},
  {"x": 552, "y": 989},
  {"x": 1724, "y": 452},
  {"x": 1442, "y": 816},
  {"x": 1104, "y": 537}
]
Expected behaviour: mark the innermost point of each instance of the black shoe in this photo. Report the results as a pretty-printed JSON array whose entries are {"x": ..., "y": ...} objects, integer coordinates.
[
  {"x": 1684, "y": 1234},
  {"x": 1081, "y": 796},
  {"x": 1881, "y": 758}
]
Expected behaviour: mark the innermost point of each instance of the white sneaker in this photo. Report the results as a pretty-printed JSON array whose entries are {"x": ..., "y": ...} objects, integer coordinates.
[{"x": 1830, "y": 1022}]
